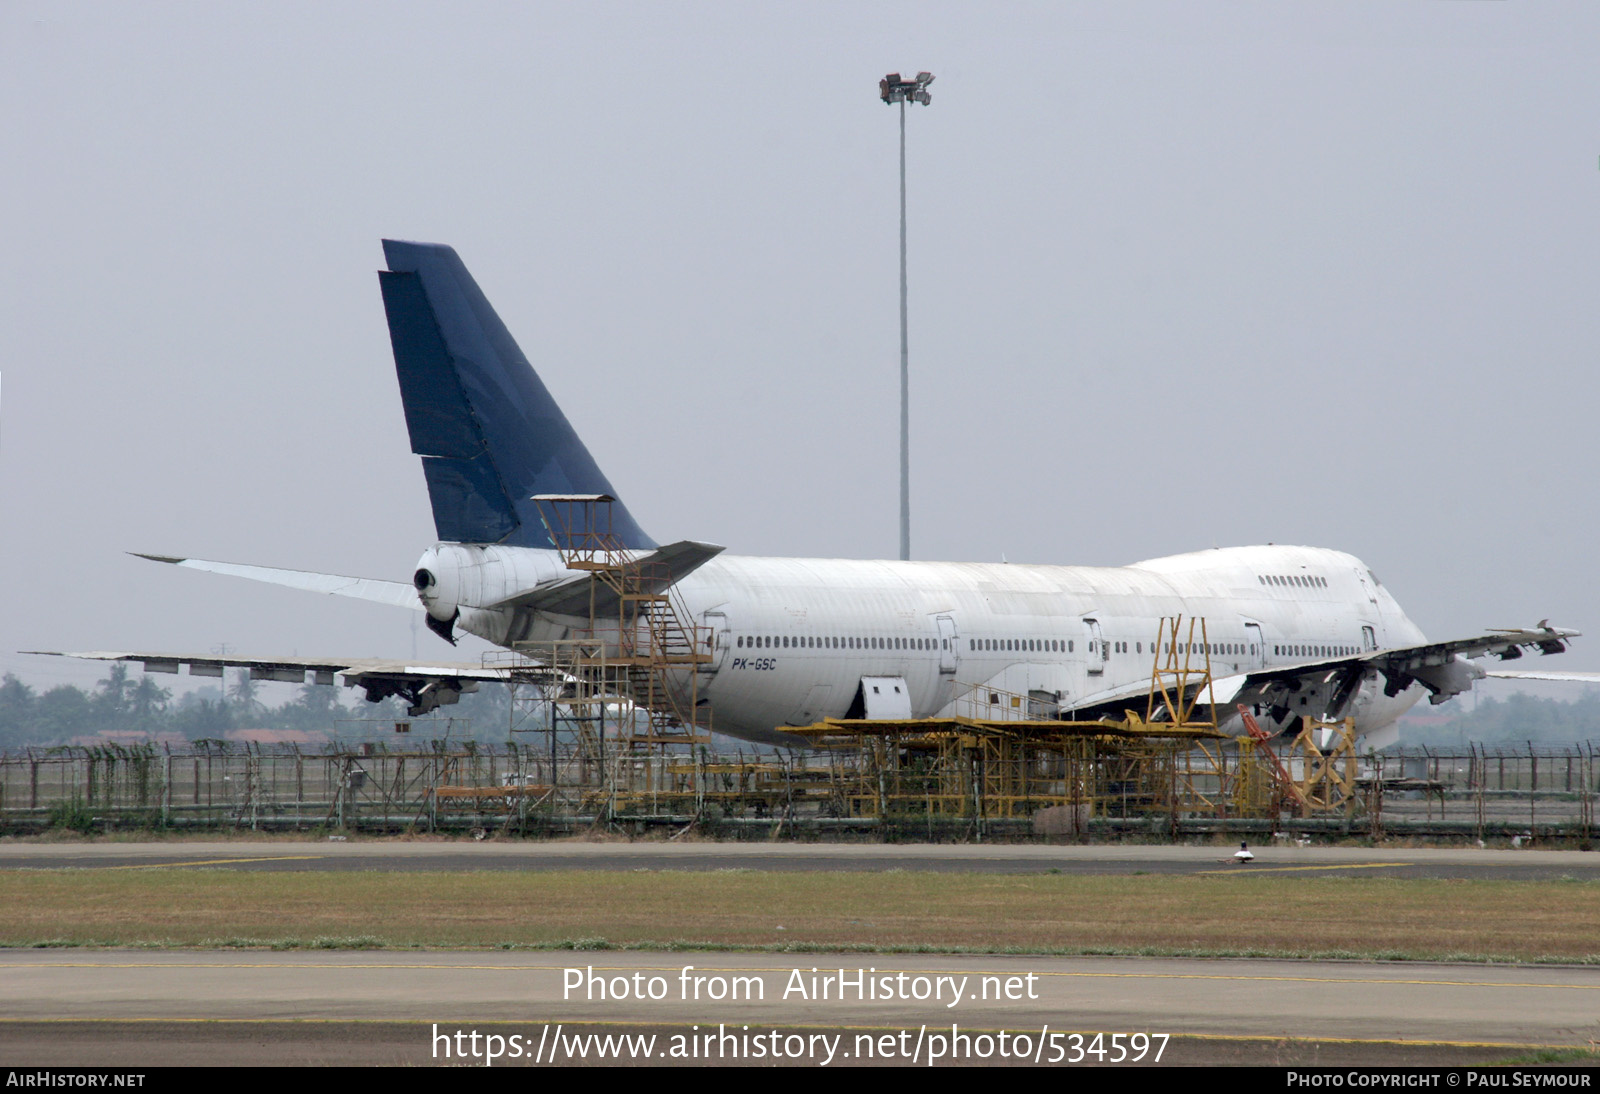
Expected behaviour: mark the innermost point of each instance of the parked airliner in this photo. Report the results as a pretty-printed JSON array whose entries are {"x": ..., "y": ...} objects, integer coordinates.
[{"x": 790, "y": 641}]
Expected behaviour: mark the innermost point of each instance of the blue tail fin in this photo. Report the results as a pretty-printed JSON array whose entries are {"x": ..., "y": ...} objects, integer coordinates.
[{"x": 489, "y": 434}]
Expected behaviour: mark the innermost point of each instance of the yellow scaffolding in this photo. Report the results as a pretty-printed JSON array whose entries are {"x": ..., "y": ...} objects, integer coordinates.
[{"x": 995, "y": 757}]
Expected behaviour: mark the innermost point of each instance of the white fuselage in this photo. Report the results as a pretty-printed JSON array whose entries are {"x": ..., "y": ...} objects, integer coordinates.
[{"x": 792, "y": 638}]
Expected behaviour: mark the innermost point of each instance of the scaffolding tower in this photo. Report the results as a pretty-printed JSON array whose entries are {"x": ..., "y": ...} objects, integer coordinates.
[{"x": 620, "y": 689}]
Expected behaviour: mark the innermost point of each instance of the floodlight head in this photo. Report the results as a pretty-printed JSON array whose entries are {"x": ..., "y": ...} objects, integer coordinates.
[{"x": 895, "y": 88}]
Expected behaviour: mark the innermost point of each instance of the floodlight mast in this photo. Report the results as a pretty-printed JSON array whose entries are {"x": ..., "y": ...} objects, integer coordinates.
[{"x": 893, "y": 89}]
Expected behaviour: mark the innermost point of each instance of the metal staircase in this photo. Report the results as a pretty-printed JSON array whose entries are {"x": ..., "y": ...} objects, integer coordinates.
[{"x": 626, "y": 680}]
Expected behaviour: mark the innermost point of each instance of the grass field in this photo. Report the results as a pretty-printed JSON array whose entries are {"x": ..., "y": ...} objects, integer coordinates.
[{"x": 1326, "y": 916}]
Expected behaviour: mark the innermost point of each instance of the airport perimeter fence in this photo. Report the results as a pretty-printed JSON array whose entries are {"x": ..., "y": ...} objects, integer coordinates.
[{"x": 1527, "y": 793}]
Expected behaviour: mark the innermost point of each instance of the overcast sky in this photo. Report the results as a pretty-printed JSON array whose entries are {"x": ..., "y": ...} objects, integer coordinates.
[{"x": 1182, "y": 275}]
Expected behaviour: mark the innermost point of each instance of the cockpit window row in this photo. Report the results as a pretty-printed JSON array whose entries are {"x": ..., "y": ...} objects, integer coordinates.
[{"x": 1303, "y": 581}]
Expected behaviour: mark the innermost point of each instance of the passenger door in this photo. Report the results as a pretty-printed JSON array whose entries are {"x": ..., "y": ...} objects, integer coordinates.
[
  {"x": 1098, "y": 655},
  {"x": 947, "y": 645}
]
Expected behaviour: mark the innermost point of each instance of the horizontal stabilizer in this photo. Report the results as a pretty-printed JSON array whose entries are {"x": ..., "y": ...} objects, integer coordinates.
[
  {"x": 651, "y": 573},
  {"x": 396, "y": 593}
]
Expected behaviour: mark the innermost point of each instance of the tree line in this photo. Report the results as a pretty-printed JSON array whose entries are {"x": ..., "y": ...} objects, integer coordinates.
[{"x": 122, "y": 704}]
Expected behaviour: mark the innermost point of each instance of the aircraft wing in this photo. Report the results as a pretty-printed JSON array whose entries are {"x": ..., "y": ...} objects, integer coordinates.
[
  {"x": 397, "y": 593},
  {"x": 654, "y": 571},
  {"x": 1110, "y": 703},
  {"x": 1437, "y": 666},
  {"x": 1328, "y": 684},
  {"x": 426, "y": 685}
]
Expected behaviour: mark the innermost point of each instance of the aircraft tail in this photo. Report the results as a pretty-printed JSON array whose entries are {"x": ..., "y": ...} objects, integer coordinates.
[{"x": 489, "y": 434}]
